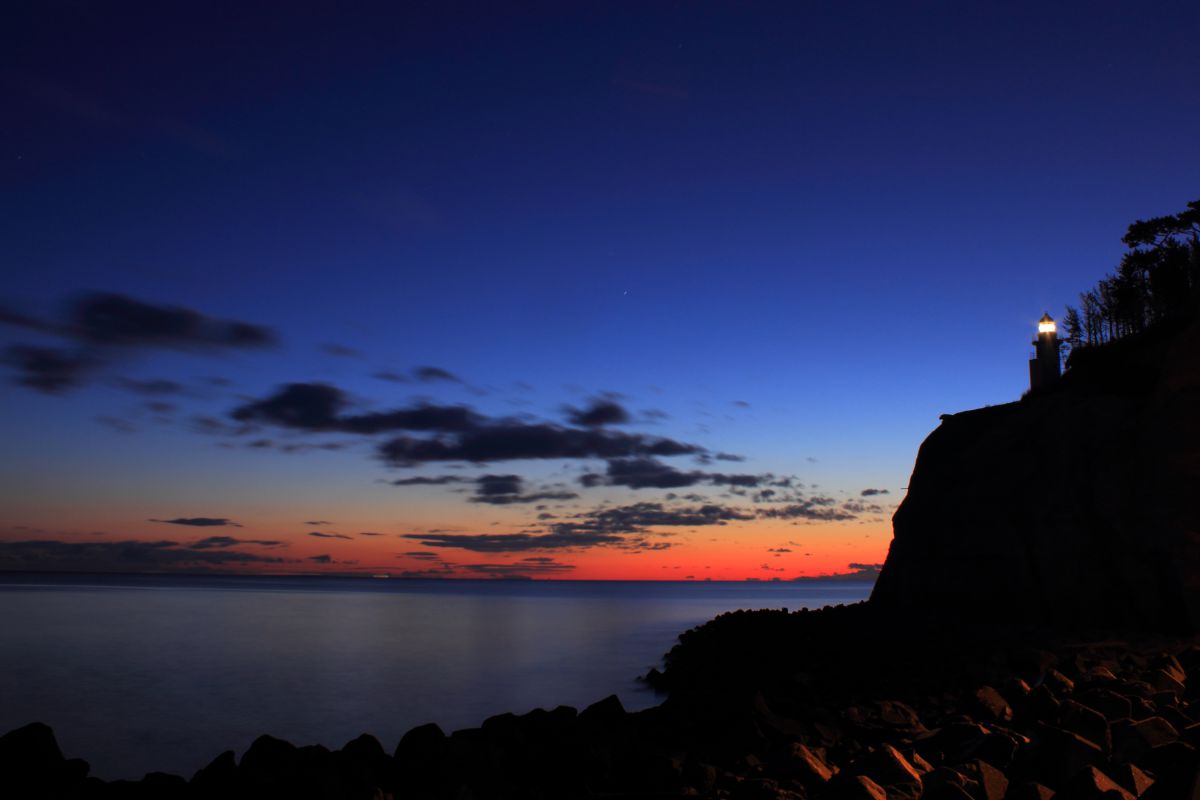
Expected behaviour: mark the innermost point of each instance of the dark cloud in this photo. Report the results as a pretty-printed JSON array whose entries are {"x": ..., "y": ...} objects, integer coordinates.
[
  {"x": 19, "y": 320},
  {"x": 598, "y": 413},
  {"x": 779, "y": 550},
  {"x": 873, "y": 492},
  {"x": 229, "y": 541},
  {"x": 497, "y": 484},
  {"x": 513, "y": 542},
  {"x": 101, "y": 325},
  {"x": 321, "y": 559},
  {"x": 432, "y": 374},
  {"x": 159, "y": 386},
  {"x": 638, "y": 517},
  {"x": 107, "y": 556},
  {"x": 507, "y": 489},
  {"x": 625, "y": 527},
  {"x": 421, "y": 480},
  {"x": 322, "y": 535},
  {"x": 859, "y": 507},
  {"x": 728, "y": 457},
  {"x": 424, "y": 555},
  {"x": 736, "y": 479},
  {"x": 650, "y": 473},
  {"x": 200, "y": 522},
  {"x": 318, "y": 522},
  {"x": 813, "y": 508},
  {"x": 317, "y": 407},
  {"x": 339, "y": 350},
  {"x": 50, "y": 370},
  {"x": 393, "y": 377},
  {"x": 369, "y": 533},
  {"x": 509, "y": 441},
  {"x": 119, "y": 321}
]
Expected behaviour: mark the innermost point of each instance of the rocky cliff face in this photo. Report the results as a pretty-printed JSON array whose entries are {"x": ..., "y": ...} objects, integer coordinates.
[{"x": 1078, "y": 506}]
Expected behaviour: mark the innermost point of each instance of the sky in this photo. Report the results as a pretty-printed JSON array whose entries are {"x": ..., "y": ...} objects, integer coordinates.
[{"x": 576, "y": 291}]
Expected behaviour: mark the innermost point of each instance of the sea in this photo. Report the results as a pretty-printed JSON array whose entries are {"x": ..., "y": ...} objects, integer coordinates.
[{"x": 162, "y": 673}]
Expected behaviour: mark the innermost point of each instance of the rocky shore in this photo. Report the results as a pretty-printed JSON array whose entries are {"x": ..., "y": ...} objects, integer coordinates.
[{"x": 842, "y": 703}]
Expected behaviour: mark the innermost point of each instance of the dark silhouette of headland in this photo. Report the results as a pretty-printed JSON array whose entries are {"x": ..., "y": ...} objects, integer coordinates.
[{"x": 1032, "y": 634}]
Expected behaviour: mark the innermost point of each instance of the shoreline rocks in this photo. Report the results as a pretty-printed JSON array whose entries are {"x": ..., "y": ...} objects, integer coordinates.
[{"x": 846, "y": 702}]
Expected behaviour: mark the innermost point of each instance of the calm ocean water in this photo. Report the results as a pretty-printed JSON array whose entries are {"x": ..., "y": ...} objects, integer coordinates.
[{"x": 139, "y": 673}]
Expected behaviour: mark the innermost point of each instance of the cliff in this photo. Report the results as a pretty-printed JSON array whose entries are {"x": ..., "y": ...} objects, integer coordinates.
[{"x": 1075, "y": 507}]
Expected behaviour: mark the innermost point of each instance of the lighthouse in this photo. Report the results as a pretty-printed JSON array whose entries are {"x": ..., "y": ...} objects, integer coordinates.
[{"x": 1044, "y": 367}]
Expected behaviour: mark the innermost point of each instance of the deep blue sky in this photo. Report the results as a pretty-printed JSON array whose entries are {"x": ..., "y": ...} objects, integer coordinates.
[{"x": 846, "y": 216}]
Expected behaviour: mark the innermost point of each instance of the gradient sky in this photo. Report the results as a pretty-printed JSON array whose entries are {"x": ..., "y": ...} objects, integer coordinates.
[{"x": 767, "y": 244}]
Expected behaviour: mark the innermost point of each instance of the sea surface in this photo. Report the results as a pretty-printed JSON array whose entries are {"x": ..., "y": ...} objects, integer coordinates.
[{"x": 142, "y": 673}]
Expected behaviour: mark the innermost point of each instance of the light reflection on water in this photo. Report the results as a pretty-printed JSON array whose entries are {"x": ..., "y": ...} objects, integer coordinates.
[{"x": 140, "y": 673}]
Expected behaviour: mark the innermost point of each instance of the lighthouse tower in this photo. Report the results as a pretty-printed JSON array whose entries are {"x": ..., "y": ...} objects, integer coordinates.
[{"x": 1043, "y": 367}]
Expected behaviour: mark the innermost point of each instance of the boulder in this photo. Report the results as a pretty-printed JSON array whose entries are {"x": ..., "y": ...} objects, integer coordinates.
[
  {"x": 1092, "y": 784},
  {"x": 888, "y": 766},
  {"x": 807, "y": 766},
  {"x": 992, "y": 705}
]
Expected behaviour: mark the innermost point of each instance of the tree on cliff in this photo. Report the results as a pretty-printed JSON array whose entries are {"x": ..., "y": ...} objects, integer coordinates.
[{"x": 1159, "y": 278}]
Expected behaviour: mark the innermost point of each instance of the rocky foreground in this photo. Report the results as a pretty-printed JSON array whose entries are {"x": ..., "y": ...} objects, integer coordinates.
[{"x": 839, "y": 703}]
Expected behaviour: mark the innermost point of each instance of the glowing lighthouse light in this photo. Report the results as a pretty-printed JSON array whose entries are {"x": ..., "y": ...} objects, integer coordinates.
[{"x": 1044, "y": 366}]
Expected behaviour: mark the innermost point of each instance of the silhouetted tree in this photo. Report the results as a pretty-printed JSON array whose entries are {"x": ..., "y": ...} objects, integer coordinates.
[
  {"x": 1159, "y": 278},
  {"x": 1072, "y": 328}
]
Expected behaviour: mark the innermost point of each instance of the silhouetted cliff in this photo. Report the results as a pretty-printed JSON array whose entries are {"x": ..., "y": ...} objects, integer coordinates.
[{"x": 1077, "y": 506}]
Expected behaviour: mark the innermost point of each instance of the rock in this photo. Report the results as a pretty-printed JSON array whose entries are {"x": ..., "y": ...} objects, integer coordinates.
[
  {"x": 807, "y": 766},
  {"x": 1059, "y": 683},
  {"x": 1031, "y": 791},
  {"x": 603, "y": 715},
  {"x": 888, "y": 767},
  {"x": 993, "y": 784},
  {"x": 1134, "y": 689},
  {"x": 1141, "y": 708},
  {"x": 1135, "y": 781},
  {"x": 1092, "y": 784},
  {"x": 1059, "y": 754},
  {"x": 1000, "y": 748},
  {"x": 856, "y": 787},
  {"x": 31, "y": 748},
  {"x": 1107, "y": 703},
  {"x": 1133, "y": 740},
  {"x": 949, "y": 784},
  {"x": 270, "y": 757},
  {"x": 365, "y": 764},
  {"x": 1098, "y": 675},
  {"x": 1163, "y": 681},
  {"x": 219, "y": 776},
  {"x": 989, "y": 703},
  {"x": 1041, "y": 704},
  {"x": 953, "y": 743},
  {"x": 1086, "y": 722},
  {"x": 1172, "y": 666},
  {"x": 921, "y": 765},
  {"x": 1174, "y": 763},
  {"x": 420, "y": 744},
  {"x": 421, "y": 758}
]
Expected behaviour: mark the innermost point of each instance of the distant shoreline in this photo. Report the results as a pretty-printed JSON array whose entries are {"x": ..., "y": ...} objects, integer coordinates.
[{"x": 5, "y": 574}]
